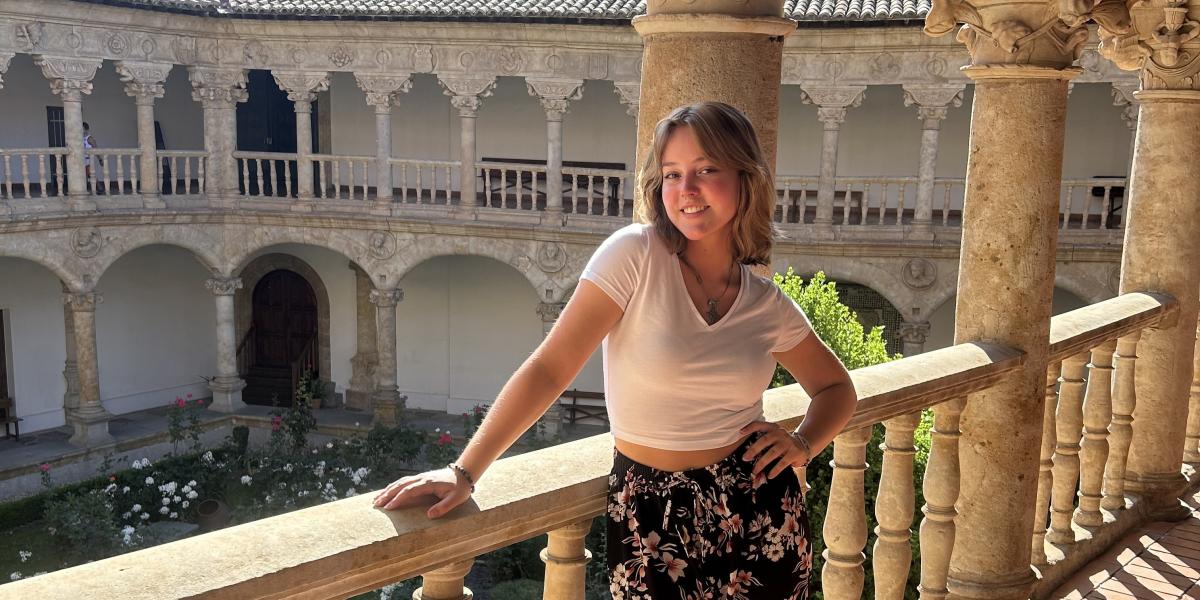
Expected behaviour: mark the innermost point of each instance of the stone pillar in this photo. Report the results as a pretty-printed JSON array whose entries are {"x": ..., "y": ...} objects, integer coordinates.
[
  {"x": 218, "y": 90},
  {"x": 740, "y": 45},
  {"x": 386, "y": 401},
  {"x": 555, "y": 95},
  {"x": 466, "y": 95},
  {"x": 227, "y": 386},
  {"x": 1191, "y": 449},
  {"x": 549, "y": 312},
  {"x": 144, "y": 82},
  {"x": 932, "y": 102},
  {"x": 1014, "y": 173},
  {"x": 913, "y": 336},
  {"x": 832, "y": 102},
  {"x": 89, "y": 419},
  {"x": 382, "y": 92},
  {"x": 566, "y": 562},
  {"x": 445, "y": 583},
  {"x": 1162, "y": 222},
  {"x": 366, "y": 360},
  {"x": 71, "y": 365},
  {"x": 71, "y": 80},
  {"x": 302, "y": 88}
]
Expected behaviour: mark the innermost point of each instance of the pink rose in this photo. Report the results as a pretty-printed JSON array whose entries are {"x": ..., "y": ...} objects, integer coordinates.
[
  {"x": 180, "y": 403},
  {"x": 444, "y": 439},
  {"x": 45, "y": 467}
]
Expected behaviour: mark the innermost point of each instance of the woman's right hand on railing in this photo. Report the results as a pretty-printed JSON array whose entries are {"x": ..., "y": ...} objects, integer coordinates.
[{"x": 447, "y": 486}]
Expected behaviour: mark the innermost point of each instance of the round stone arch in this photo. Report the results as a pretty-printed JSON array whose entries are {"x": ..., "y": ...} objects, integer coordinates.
[
  {"x": 117, "y": 242},
  {"x": 259, "y": 267},
  {"x": 246, "y": 241},
  {"x": 1088, "y": 281},
  {"x": 853, "y": 270}
]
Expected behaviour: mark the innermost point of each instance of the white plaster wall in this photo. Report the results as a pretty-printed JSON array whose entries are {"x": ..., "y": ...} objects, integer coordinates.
[
  {"x": 155, "y": 329},
  {"x": 464, "y": 327},
  {"x": 31, "y": 298},
  {"x": 941, "y": 320}
]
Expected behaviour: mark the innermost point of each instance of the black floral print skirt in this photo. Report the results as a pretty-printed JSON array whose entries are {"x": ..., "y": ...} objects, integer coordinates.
[{"x": 711, "y": 533}]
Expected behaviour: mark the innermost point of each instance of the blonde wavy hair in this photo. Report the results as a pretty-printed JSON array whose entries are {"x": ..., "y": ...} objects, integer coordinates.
[{"x": 727, "y": 138}]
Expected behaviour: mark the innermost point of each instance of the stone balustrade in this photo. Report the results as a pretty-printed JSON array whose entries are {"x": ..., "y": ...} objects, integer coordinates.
[
  {"x": 265, "y": 174},
  {"x": 346, "y": 547},
  {"x": 182, "y": 171},
  {"x": 114, "y": 171},
  {"x": 343, "y": 177},
  {"x": 425, "y": 181},
  {"x": 32, "y": 173}
]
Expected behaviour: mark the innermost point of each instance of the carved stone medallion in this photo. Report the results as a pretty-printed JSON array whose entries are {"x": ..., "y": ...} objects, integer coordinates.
[
  {"x": 86, "y": 242},
  {"x": 383, "y": 244},
  {"x": 551, "y": 257},
  {"x": 919, "y": 273},
  {"x": 341, "y": 56}
]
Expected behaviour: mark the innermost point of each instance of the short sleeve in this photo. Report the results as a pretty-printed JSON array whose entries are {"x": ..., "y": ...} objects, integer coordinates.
[
  {"x": 616, "y": 266},
  {"x": 793, "y": 323}
]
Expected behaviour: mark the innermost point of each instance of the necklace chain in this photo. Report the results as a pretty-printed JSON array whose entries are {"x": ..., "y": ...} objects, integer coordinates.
[{"x": 711, "y": 315}]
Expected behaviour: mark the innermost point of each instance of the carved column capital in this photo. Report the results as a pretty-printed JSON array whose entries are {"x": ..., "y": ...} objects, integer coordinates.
[
  {"x": 302, "y": 86},
  {"x": 70, "y": 78},
  {"x": 218, "y": 87},
  {"x": 914, "y": 333},
  {"x": 555, "y": 94},
  {"x": 550, "y": 311},
  {"x": 466, "y": 94},
  {"x": 82, "y": 301},
  {"x": 933, "y": 101},
  {"x": 386, "y": 298},
  {"x": 833, "y": 101},
  {"x": 1045, "y": 35},
  {"x": 1160, "y": 40},
  {"x": 1123, "y": 95},
  {"x": 5, "y": 57},
  {"x": 143, "y": 80},
  {"x": 630, "y": 94},
  {"x": 223, "y": 286},
  {"x": 381, "y": 89}
]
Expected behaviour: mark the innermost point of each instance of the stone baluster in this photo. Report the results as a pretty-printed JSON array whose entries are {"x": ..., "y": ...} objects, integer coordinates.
[
  {"x": 218, "y": 90},
  {"x": 382, "y": 92},
  {"x": 71, "y": 80},
  {"x": 228, "y": 384},
  {"x": 566, "y": 562},
  {"x": 1120, "y": 432},
  {"x": 892, "y": 554},
  {"x": 1155, "y": 228},
  {"x": 144, "y": 83},
  {"x": 1068, "y": 426},
  {"x": 941, "y": 492},
  {"x": 302, "y": 88},
  {"x": 365, "y": 361},
  {"x": 549, "y": 312},
  {"x": 845, "y": 529},
  {"x": 1045, "y": 479},
  {"x": 1093, "y": 452},
  {"x": 556, "y": 96},
  {"x": 832, "y": 103},
  {"x": 90, "y": 419},
  {"x": 913, "y": 335},
  {"x": 466, "y": 95},
  {"x": 1191, "y": 448},
  {"x": 1021, "y": 58},
  {"x": 932, "y": 102},
  {"x": 386, "y": 400},
  {"x": 446, "y": 583}
]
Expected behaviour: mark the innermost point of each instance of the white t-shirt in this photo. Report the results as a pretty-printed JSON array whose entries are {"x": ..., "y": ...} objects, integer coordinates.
[{"x": 671, "y": 380}]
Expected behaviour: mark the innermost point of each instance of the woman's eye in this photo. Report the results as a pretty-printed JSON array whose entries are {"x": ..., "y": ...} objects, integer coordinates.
[
  {"x": 708, "y": 170},
  {"x": 671, "y": 176}
]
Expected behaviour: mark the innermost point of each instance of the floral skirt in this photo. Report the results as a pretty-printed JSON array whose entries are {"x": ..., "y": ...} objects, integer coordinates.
[{"x": 706, "y": 534}]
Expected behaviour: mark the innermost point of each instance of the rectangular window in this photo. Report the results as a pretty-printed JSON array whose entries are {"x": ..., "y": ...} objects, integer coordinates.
[{"x": 56, "y": 128}]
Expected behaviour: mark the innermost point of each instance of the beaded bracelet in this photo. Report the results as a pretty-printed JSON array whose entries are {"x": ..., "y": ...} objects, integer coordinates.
[
  {"x": 461, "y": 471},
  {"x": 803, "y": 441}
]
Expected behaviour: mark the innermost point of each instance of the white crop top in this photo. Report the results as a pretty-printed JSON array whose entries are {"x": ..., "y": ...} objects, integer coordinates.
[{"x": 671, "y": 380}]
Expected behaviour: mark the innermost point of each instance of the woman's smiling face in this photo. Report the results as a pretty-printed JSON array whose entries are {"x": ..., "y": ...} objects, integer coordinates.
[{"x": 699, "y": 195}]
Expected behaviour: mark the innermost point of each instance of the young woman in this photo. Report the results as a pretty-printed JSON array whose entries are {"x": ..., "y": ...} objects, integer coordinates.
[{"x": 704, "y": 501}]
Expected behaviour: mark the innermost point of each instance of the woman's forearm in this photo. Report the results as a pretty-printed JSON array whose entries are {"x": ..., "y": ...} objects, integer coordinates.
[
  {"x": 827, "y": 414},
  {"x": 522, "y": 401}
]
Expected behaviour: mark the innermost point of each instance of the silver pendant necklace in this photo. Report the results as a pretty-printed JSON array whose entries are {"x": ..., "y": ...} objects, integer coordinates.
[{"x": 712, "y": 315}]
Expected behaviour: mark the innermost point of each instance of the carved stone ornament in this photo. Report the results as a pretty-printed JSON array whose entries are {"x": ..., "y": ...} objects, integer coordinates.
[
  {"x": 256, "y": 54},
  {"x": 223, "y": 286},
  {"x": 422, "y": 59},
  {"x": 298, "y": 55},
  {"x": 466, "y": 94},
  {"x": 884, "y": 66},
  {"x": 1122, "y": 95},
  {"x": 550, "y": 311},
  {"x": 5, "y": 58},
  {"x": 86, "y": 242},
  {"x": 117, "y": 43},
  {"x": 522, "y": 263},
  {"x": 1163, "y": 42},
  {"x": 933, "y": 100},
  {"x": 68, "y": 76},
  {"x": 386, "y": 298},
  {"x": 919, "y": 273},
  {"x": 914, "y": 333},
  {"x": 148, "y": 47},
  {"x": 832, "y": 101},
  {"x": 83, "y": 301},
  {"x": 381, "y": 89},
  {"x": 218, "y": 86},
  {"x": 551, "y": 257},
  {"x": 1114, "y": 278},
  {"x": 143, "y": 79},
  {"x": 341, "y": 56},
  {"x": 29, "y": 35},
  {"x": 184, "y": 49},
  {"x": 302, "y": 86},
  {"x": 382, "y": 245},
  {"x": 630, "y": 94},
  {"x": 1037, "y": 34},
  {"x": 555, "y": 94},
  {"x": 510, "y": 61}
]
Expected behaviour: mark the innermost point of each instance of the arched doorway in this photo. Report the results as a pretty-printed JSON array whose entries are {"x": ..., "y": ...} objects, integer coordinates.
[{"x": 283, "y": 336}]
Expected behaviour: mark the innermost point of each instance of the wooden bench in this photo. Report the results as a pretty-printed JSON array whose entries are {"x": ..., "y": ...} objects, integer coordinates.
[
  {"x": 591, "y": 410},
  {"x": 12, "y": 423}
]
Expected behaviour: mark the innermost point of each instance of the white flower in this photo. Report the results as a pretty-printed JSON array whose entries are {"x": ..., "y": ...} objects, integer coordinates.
[
  {"x": 137, "y": 464},
  {"x": 207, "y": 457},
  {"x": 14, "y": 576},
  {"x": 246, "y": 479},
  {"x": 351, "y": 492},
  {"x": 356, "y": 423},
  {"x": 110, "y": 488},
  {"x": 191, "y": 484},
  {"x": 125, "y": 515},
  {"x": 329, "y": 445},
  {"x": 174, "y": 515},
  {"x": 184, "y": 504},
  {"x": 145, "y": 516},
  {"x": 136, "y": 508},
  {"x": 166, "y": 501},
  {"x": 164, "y": 510},
  {"x": 176, "y": 499},
  {"x": 25, "y": 554},
  {"x": 192, "y": 495},
  {"x": 187, "y": 488},
  {"x": 149, "y": 481},
  {"x": 437, "y": 429},
  {"x": 125, "y": 490},
  {"x": 287, "y": 468}
]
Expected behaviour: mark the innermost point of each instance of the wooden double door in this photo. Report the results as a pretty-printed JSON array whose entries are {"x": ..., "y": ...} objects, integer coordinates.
[{"x": 284, "y": 317}]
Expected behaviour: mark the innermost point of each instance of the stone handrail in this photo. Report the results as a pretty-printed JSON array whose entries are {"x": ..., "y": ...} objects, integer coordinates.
[
  {"x": 114, "y": 171},
  {"x": 189, "y": 180},
  {"x": 425, "y": 181},
  {"x": 16, "y": 171},
  {"x": 266, "y": 173}
]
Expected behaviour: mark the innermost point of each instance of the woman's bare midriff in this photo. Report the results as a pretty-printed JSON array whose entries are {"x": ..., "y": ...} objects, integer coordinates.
[{"x": 674, "y": 460}]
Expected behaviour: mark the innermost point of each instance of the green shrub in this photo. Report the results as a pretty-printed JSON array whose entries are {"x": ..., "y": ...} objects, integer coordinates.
[
  {"x": 83, "y": 522},
  {"x": 517, "y": 589}
]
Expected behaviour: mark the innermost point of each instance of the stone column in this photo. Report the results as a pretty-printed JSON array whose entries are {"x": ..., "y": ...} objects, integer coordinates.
[
  {"x": 89, "y": 419},
  {"x": 227, "y": 386},
  {"x": 1014, "y": 172},
  {"x": 144, "y": 82},
  {"x": 302, "y": 88},
  {"x": 382, "y": 92},
  {"x": 71, "y": 80},
  {"x": 832, "y": 102},
  {"x": 913, "y": 335},
  {"x": 71, "y": 364},
  {"x": 386, "y": 400},
  {"x": 1162, "y": 240},
  {"x": 466, "y": 95},
  {"x": 1191, "y": 449},
  {"x": 555, "y": 95},
  {"x": 740, "y": 45},
  {"x": 218, "y": 90},
  {"x": 365, "y": 361},
  {"x": 549, "y": 312},
  {"x": 932, "y": 102}
]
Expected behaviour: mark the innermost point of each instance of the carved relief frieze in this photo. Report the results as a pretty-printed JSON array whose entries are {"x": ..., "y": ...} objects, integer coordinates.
[
  {"x": 86, "y": 242},
  {"x": 298, "y": 55},
  {"x": 919, "y": 273},
  {"x": 143, "y": 79},
  {"x": 551, "y": 257},
  {"x": 117, "y": 44},
  {"x": 383, "y": 58},
  {"x": 382, "y": 245},
  {"x": 223, "y": 286},
  {"x": 341, "y": 56},
  {"x": 509, "y": 60},
  {"x": 29, "y": 35},
  {"x": 884, "y": 66},
  {"x": 302, "y": 86},
  {"x": 256, "y": 54},
  {"x": 83, "y": 301},
  {"x": 423, "y": 60},
  {"x": 184, "y": 49},
  {"x": 1162, "y": 42}
]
